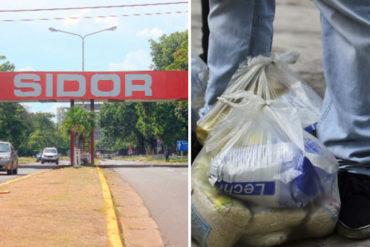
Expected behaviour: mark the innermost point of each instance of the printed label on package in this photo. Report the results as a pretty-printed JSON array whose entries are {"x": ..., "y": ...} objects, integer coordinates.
[
  {"x": 248, "y": 188},
  {"x": 200, "y": 229}
]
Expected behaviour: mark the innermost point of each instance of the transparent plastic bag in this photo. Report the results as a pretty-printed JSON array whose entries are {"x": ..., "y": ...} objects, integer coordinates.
[
  {"x": 269, "y": 78},
  {"x": 261, "y": 154},
  {"x": 199, "y": 79},
  {"x": 255, "y": 133},
  {"x": 218, "y": 220}
]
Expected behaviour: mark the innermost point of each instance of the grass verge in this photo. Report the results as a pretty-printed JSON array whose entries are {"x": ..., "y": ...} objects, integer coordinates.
[
  {"x": 62, "y": 207},
  {"x": 150, "y": 159},
  {"x": 26, "y": 160}
]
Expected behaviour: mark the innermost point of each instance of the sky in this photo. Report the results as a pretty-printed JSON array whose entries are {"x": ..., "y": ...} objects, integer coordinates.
[{"x": 30, "y": 46}]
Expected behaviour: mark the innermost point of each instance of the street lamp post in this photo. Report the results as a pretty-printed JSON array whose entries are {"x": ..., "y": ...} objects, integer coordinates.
[
  {"x": 83, "y": 39},
  {"x": 92, "y": 148}
]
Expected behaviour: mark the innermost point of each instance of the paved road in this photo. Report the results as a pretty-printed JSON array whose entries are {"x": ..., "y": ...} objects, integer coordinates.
[
  {"x": 165, "y": 193},
  {"x": 25, "y": 169}
]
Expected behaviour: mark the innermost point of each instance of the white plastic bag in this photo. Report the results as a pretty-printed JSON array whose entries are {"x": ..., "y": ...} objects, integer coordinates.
[
  {"x": 218, "y": 220},
  {"x": 269, "y": 78},
  {"x": 273, "y": 107},
  {"x": 199, "y": 79},
  {"x": 262, "y": 155}
]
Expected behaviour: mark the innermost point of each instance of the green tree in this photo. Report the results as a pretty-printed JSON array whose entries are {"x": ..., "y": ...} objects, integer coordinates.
[
  {"x": 141, "y": 124},
  {"x": 28, "y": 132},
  {"x": 170, "y": 123},
  {"x": 146, "y": 125},
  {"x": 170, "y": 52},
  {"x": 45, "y": 134},
  {"x": 14, "y": 119},
  {"x": 118, "y": 123},
  {"x": 7, "y": 66},
  {"x": 170, "y": 119},
  {"x": 14, "y": 125},
  {"x": 81, "y": 122}
]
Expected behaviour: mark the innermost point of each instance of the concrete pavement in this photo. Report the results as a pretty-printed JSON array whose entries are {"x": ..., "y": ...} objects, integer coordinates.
[{"x": 164, "y": 191}]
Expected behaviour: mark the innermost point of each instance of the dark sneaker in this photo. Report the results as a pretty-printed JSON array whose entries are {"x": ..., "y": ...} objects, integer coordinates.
[{"x": 354, "y": 216}]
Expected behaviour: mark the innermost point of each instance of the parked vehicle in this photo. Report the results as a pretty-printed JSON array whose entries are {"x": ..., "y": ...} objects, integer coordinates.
[
  {"x": 50, "y": 154},
  {"x": 8, "y": 158}
]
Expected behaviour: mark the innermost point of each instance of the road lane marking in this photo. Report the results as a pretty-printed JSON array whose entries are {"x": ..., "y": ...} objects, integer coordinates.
[
  {"x": 21, "y": 178},
  {"x": 112, "y": 222}
]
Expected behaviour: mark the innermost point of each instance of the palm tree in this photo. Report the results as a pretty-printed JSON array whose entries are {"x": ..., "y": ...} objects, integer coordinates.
[{"x": 81, "y": 122}]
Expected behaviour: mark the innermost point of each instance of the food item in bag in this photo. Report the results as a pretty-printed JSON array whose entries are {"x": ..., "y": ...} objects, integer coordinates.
[
  {"x": 273, "y": 175},
  {"x": 322, "y": 218},
  {"x": 216, "y": 219},
  {"x": 262, "y": 155},
  {"x": 209, "y": 121},
  {"x": 271, "y": 227},
  {"x": 219, "y": 220}
]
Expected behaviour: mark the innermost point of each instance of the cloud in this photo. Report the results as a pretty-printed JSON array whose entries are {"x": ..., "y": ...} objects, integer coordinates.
[
  {"x": 74, "y": 22},
  {"x": 27, "y": 68},
  {"x": 137, "y": 60},
  {"x": 150, "y": 33},
  {"x": 109, "y": 22}
]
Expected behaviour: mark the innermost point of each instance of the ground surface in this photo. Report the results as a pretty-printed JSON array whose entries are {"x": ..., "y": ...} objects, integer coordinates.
[
  {"x": 164, "y": 191},
  {"x": 63, "y": 207}
]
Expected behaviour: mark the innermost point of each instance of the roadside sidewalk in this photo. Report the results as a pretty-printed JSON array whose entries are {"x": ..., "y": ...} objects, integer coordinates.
[
  {"x": 137, "y": 225},
  {"x": 73, "y": 207}
]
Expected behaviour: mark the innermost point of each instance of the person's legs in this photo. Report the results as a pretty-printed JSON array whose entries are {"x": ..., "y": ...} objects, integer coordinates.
[
  {"x": 238, "y": 29},
  {"x": 344, "y": 126},
  {"x": 354, "y": 217},
  {"x": 262, "y": 30}
]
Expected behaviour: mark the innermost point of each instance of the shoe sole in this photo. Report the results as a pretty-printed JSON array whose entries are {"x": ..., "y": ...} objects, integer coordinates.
[{"x": 353, "y": 233}]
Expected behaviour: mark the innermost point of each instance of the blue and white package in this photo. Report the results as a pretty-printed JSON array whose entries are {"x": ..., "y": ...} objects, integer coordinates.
[
  {"x": 263, "y": 156},
  {"x": 283, "y": 177}
]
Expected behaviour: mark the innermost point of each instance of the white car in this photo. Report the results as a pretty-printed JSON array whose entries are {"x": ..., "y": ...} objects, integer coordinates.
[{"x": 50, "y": 154}]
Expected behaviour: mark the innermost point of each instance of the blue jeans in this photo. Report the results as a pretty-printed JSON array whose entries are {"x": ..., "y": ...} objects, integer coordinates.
[
  {"x": 238, "y": 29},
  {"x": 344, "y": 126}
]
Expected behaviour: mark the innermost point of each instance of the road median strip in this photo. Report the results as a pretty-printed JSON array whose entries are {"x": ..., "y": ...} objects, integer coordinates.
[
  {"x": 22, "y": 178},
  {"x": 138, "y": 226},
  {"x": 55, "y": 208}
]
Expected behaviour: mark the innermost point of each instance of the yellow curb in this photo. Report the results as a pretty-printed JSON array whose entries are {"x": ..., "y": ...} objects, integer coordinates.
[
  {"x": 112, "y": 222},
  {"x": 23, "y": 177}
]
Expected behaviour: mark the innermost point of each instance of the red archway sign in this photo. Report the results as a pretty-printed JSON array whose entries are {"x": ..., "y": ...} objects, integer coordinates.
[
  {"x": 121, "y": 86},
  {"x": 52, "y": 86}
]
